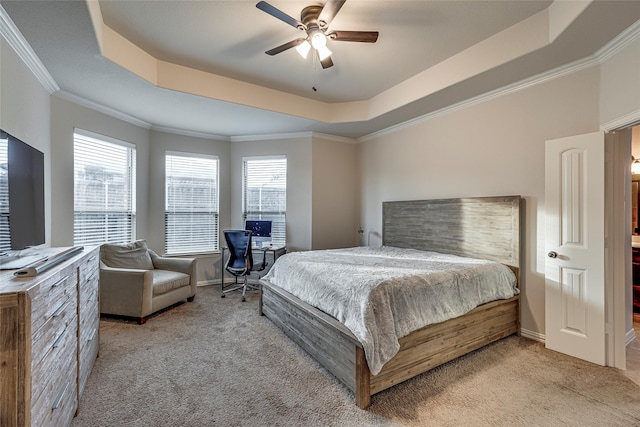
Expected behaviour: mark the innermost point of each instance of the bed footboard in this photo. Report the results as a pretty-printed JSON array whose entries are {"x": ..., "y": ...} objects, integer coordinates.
[{"x": 332, "y": 345}]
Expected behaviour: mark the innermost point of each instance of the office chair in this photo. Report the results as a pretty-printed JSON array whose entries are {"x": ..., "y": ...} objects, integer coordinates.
[{"x": 240, "y": 261}]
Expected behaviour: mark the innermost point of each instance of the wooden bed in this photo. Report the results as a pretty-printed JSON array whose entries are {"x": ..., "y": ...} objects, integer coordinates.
[{"x": 483, "y": 227}]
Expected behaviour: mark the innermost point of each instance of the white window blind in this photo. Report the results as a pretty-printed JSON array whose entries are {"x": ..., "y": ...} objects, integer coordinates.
[
  {"x": 265, "y": 193},
  {"x": 191, "y": 211},
  {"x": 5, "y": 235},
  {"x": 104, "y": 189}
]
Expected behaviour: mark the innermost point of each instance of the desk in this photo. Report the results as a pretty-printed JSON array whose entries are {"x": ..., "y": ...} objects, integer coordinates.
[{"x": 275, "y": 251}]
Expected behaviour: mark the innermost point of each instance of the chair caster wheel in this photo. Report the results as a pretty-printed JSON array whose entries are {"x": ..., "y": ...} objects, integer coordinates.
[
  {"x": 222, "y": 296},
  {"x": 243, "y": 299}
]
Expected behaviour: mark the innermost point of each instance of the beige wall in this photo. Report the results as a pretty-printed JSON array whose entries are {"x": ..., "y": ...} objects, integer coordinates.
[
  {"x": 65, "y": 117},
  {"x": 495, "y": 148},
  {"x": 160, "y": 142},
  {"x": 620, "y": 85},
  {"x": 335, "y": 194},
  {"x": 299, "y": 210},
  {"x": 25, "y": 112}
]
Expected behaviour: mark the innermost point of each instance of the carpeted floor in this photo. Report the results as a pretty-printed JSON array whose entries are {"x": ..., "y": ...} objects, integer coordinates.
[{"x": 215, "y": 362}]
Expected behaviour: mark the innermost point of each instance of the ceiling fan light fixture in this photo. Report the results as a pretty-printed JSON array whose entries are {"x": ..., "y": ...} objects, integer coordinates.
[
  {"x": 303, "y": 49},
  {"x": 318, "y": 40},
  {"x": 323, "y": 52}
]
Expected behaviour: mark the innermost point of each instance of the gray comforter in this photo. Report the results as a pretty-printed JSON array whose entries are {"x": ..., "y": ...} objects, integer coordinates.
[{"x": 383, "y": 293}]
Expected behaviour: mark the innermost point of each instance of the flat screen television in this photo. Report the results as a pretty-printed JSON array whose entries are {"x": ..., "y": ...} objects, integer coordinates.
[{"x": 22, "y": 216}]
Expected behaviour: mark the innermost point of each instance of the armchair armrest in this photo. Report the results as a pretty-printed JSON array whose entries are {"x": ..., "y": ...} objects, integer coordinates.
[
  {"x": 181, "y": 265},
  {"x": 124, "y": 291}
]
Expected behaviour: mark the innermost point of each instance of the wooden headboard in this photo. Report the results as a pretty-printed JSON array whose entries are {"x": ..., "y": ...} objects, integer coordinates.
[{"x": 477, "y": 227}]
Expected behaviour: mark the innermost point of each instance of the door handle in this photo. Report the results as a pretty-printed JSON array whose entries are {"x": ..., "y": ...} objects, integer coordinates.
[{"x": 552, "y": 254}]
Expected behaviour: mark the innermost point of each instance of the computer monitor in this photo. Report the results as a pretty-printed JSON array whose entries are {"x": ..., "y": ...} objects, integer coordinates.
[{"x": 260, "y": 232}]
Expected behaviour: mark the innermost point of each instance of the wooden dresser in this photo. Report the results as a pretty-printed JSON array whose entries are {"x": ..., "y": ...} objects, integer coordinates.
[{"x": 48, "y": 341}]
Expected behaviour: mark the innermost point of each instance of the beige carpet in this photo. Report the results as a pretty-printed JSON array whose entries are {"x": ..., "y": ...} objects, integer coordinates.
[{"x": 215, "y": 362}]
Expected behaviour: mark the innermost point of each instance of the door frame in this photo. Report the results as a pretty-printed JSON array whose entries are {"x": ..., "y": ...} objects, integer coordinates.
[{"x": 618, "y": 238}]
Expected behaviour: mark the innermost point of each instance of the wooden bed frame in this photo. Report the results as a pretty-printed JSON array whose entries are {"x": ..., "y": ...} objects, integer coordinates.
[{"x": 483, "y": 227}]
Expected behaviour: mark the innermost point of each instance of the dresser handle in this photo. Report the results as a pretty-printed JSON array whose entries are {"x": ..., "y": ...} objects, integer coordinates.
[
  {"x": 58, "y": 401},
  {"x": 59, "y": 311},
  {"x": 56, "y": 344},
  {"x": 58, "y": 283}
]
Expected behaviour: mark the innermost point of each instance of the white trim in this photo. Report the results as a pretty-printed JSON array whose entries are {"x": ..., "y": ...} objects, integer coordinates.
[
  {"x": 336, "y": 138},
  {"x": 269, "y": 157},
  {"x": 193, "y": 134},
  {"x": 628, "y": 36},
  {"x": 559, "y": 72},
  {"x": 630, "y": 336},
  {"x": 67, "y": 96},
  {"x": 628, "y": 120},
  {"x": 271, "y": 136},
  {"x": 21, "y": 47},
  {"x": 536, "y": 336},
  {"x": 190, "y": 154},
  {"x": 208, "y": 282},
  {"x": 621, "y": 41},
  {"x": 292, "y": 135},
  {"x": 104, "y": 138}
]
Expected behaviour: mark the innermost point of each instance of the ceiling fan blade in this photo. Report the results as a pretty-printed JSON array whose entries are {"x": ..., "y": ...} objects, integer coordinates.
[
  {"x": 282, "y": 48},
  {"x": 354, "y": 36},
  {"x": 329, "y": 11},
  {"x": 326, "y": 62},
  {"x": 277, "y": 13}
]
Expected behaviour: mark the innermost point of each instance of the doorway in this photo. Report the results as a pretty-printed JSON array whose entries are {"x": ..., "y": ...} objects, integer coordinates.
[{"x": 633, "y": 349}]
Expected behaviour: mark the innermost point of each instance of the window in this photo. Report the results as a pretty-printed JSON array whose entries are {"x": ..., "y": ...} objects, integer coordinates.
[
  {"x": 264, "y": 187},
  {"x": 104, "y": 207},
  {"x": 191, "y": 203}
]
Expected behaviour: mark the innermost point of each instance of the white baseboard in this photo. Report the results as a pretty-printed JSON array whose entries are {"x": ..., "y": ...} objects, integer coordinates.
[
  {"x": 536, "y": 336},
  {"x": 629, "y": 336},
  {"x": 208, "y": 282}
]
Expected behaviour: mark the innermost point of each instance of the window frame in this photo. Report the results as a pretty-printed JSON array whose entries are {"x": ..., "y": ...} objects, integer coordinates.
[
  {"x": 279, "y": 233},
  {"x": 83, "y": 238},
  {"x": 215, "y": 240}
]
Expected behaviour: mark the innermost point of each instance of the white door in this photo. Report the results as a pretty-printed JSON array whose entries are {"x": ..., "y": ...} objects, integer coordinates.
[{"x": 575, "y": 263}]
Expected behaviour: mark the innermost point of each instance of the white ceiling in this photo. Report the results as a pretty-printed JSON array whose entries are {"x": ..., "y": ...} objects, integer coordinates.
[{"x": 206, "y": 70}]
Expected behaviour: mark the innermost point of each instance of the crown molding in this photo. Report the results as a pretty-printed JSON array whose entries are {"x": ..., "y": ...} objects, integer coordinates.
[
  {"x": 624, "y": 39},
  {"x": 293, "y": 135},
  {"x": 21, "y": 47},
  {"x": 329, "y": 137},
  {"x": 193, "y": 134},
  {"x": 625, "y": 121},
  {"x": 271, "y": 136},
  {"x": 559, "y": 72},
  {"x": 68, "y": 96}
]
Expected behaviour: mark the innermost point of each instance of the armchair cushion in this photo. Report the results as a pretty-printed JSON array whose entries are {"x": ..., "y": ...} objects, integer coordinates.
[
  {"x": 165, "y": 281},
  {"x": 131, "y": 255}
]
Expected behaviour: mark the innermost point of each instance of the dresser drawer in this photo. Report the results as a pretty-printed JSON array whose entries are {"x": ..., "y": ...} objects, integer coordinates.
[
  {"x": 47, "y": 338},
  {"x": 56, "y": 348},
  {"x": 89, "y": 269},
  {"x": 50, "y": 294},
  {"x": 89, "y": 342},
  {"x": 54, "y": 380}
]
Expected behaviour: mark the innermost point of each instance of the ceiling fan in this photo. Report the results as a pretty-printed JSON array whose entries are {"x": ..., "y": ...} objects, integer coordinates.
[{"x": 315, "y": 20}]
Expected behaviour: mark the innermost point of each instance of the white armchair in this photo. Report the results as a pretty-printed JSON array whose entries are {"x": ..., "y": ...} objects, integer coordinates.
[{"x": 136, "y": 282}]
